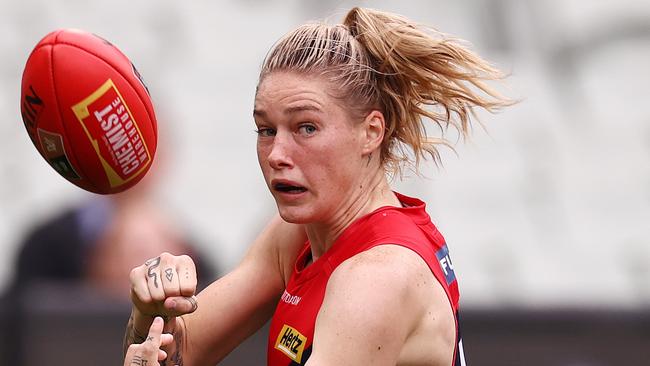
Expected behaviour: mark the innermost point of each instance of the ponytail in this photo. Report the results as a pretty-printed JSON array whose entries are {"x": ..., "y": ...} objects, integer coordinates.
[{"x": 422, "y": 75}]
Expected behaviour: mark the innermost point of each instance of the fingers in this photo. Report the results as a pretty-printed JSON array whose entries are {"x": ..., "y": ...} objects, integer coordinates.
[
  {"x": 163, "y": 277},
  {"x": 181, "y": 305},
  {"x": 166, "y": 339},
  {"x": 155, "y": 332},
  {"x": 169, "y": 275},
  {"x": 162, "y": 355},
  {"x": 139, "y": 286},
  {"x": 157, "y": 340},
  {"x": 149, "y": 352},
  {"x": 130, "y": 352},
  {"x": 153, "y": 279},
  {"x": 186, "y": 275}
]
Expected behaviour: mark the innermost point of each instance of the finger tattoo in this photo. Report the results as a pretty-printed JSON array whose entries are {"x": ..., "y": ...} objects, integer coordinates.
[
  {"x": 139, "y": 361},
  {"x": 150, "y": 338},
  {"x": 169, "y": 273},
  {"x": 153, "y": 264}
]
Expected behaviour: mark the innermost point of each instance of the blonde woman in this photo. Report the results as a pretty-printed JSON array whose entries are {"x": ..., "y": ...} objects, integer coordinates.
[{"x": 350, "y": 272}]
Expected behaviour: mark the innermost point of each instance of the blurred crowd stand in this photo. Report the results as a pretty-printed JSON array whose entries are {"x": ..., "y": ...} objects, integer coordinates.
[
  {"x": 548, "y": 222},
  {"x": 69, "y": 296}
]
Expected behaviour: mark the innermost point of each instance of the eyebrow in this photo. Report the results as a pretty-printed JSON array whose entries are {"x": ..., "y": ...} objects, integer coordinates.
[
  {"x": 301, "y": 108},
  {"x": 290, "y": 110},
  {"x": 257, "y": 112}
]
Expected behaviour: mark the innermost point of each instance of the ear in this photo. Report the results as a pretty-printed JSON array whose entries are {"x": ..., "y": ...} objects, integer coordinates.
[{"x": 374, "y": 126}]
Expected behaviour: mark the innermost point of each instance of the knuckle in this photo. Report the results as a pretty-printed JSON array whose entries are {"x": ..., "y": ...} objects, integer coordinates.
[
  {"x": 134, "y": 275},
  {"x": 171, "y": 290},
  {"x": 172, "y": 293},
  {"x": 140, "y": 295},
  {"x": 132, "y": 349},
  {"x": 149, "y": 348},
  {"x": 187, "y": 290},
  {"x": 142, "y": 302},
  {"x": 188, "y": 283},
  {"x": 158, "y": 296}
]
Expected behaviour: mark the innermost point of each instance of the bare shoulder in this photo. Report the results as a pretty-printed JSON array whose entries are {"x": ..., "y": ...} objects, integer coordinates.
[
  {"x": 388, "y": 301},
  {"x": 393, "y": 268}
]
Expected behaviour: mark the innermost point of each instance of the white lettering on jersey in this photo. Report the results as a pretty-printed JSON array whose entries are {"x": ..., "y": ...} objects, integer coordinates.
[{"x": 290, "y": 299}]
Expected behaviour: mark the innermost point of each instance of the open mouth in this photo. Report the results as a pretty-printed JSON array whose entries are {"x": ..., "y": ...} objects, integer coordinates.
[{"x": 288, "y": 188}]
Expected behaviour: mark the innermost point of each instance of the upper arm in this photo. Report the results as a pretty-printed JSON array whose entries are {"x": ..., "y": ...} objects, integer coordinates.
[
  {"x": 236, "y": 305},
  {"x": 370, "y": 307}
]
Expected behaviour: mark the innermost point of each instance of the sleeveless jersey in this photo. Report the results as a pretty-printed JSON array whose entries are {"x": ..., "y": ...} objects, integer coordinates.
[{"x": 292, "y": 326}]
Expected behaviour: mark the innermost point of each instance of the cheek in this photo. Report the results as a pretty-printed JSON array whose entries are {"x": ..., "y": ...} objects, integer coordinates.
[
  {"x": 262, "y": 154},
  {"x": 336, "y": 165}
]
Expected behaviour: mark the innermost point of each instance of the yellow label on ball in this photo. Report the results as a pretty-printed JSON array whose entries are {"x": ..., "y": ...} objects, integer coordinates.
[{"x": 113, "y": 133}]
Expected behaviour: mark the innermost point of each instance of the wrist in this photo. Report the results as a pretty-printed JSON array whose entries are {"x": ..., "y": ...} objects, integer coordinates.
[{"x": 141, "y": 323}]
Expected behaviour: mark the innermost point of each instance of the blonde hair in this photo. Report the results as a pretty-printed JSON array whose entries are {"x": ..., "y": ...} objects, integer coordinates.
[{"x": 383, "y": 61}]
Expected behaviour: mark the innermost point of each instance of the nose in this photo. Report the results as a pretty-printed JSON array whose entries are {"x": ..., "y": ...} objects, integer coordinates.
[{"x": 279, "y": 155}]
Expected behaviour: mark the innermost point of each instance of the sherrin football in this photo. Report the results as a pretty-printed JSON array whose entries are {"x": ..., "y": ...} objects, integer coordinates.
[{"x": 88, "y": 112}]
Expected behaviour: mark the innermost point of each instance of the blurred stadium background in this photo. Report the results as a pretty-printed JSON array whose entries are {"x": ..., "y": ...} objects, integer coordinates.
[{"x": 547, "y": 214}]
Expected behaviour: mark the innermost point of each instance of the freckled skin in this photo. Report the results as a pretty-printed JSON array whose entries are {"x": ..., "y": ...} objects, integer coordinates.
[{"x": 327, "y": 162}]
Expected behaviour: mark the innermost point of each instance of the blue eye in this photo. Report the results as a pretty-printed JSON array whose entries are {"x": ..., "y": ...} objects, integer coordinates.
[
  {"x": 265, "y": 132},
  {"x": 307, "y": 129}
]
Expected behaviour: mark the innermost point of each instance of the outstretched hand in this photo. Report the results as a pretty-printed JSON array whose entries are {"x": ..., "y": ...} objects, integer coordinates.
[{"x": 149, "y": 353}]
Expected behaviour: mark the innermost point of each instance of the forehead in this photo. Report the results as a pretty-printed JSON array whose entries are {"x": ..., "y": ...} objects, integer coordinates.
[{"x": 286, "y": 88}]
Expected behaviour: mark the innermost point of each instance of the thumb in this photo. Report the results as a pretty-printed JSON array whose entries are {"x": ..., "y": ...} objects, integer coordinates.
[{"x": 180, "y": 305}]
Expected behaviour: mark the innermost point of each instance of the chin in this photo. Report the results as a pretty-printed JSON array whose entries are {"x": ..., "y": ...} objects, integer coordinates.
[{"x": 294, "y": 215}]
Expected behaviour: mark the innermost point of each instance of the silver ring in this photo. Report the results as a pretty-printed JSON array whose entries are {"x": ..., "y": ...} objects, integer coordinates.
[{"x": 195, "y": 304}]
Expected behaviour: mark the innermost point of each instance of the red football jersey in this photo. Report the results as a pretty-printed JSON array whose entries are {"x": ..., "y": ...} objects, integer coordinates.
[{"x": 292, "y": 327}]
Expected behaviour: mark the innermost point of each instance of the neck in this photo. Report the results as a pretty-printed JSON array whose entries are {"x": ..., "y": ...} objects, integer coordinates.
[{"x": 374, "y": 193}]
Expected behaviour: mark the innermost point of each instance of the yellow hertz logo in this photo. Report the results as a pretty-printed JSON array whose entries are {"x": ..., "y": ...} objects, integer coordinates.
[{"x": 291, "y": 343}]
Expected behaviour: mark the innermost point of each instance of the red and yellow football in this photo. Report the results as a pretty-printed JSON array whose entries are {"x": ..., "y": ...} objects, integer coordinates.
[{"x": 88, "y": 112}]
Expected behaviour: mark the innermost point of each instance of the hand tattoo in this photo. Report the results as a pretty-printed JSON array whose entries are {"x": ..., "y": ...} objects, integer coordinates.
[
  {"x": 139, "y": 361},
  {"x": 169, "y": 273},
  {"x": 177, "y": 357},
  {"x": 153, "y": 264}
]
